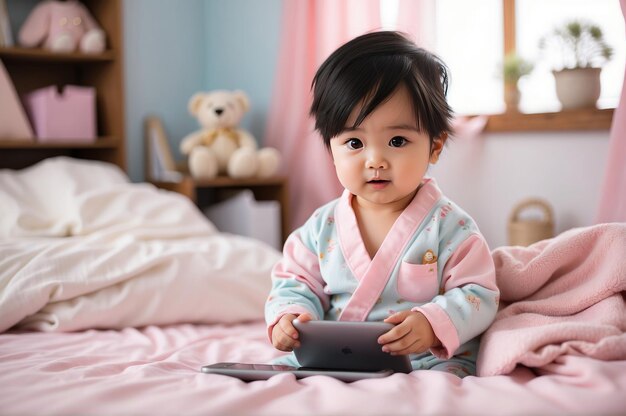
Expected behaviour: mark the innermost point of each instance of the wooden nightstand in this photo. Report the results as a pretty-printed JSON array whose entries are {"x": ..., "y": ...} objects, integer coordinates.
[
  {"x": 159, "y": 159},
  {"x": 210, "y": 191}
]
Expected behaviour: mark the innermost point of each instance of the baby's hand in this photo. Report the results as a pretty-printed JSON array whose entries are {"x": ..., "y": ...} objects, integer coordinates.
[
  {"x": 413, "y": 334},
  {"x": 284, "y": 334}
]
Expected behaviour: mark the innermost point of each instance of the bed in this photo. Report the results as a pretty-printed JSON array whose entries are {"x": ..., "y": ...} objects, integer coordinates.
[{"x": 114, "y": 294}]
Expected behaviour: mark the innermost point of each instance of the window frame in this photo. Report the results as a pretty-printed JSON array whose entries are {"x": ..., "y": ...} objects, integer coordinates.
[{"x": 580, "y": 119}]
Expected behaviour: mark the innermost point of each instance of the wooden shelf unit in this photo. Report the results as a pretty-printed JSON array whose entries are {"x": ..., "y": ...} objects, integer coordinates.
[
  {"x": 42, "y": 55},
  {"x": 32, "y": 69},
  {"x": 101, "y": 143}
]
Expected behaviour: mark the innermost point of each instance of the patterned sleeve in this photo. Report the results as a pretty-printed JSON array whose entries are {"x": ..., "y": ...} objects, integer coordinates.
[
  {"x": 469, "y": 301},
  {"x": 297, "y": 284}
]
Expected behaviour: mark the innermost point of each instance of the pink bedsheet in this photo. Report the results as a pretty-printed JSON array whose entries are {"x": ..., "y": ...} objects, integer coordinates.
[{"x": 155, "y": 370}]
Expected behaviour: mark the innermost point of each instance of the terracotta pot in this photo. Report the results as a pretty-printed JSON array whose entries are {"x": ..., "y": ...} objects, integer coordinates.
[
  {"x": 578, "y": 87},
  {"x": 511, "y": 96}
]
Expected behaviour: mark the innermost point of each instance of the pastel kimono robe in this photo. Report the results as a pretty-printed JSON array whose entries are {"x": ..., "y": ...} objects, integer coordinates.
[{"x": 433, "y": 260}]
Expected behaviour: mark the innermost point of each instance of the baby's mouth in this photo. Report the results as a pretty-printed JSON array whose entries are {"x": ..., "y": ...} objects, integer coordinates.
[{"x": 378, "y": 182}]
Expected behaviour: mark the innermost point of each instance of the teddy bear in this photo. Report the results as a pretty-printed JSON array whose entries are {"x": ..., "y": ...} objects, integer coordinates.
[
  {"x": 220, "y": 147},
  {"x": 62, "y": 26}
]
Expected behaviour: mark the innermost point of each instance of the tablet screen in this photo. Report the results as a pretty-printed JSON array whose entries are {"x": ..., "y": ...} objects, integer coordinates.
[{"x": 346, "y": 346}]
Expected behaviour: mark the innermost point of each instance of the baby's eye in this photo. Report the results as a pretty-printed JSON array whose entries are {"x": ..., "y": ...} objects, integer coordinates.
[
  {"x": 397, "y": 141},
  {"x": 354, "y": 144}
]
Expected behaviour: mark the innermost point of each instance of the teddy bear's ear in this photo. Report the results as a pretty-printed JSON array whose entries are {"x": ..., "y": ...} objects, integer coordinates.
[
  {"x": 242, "y": 99},
  {"x": 195, "y": 102}
]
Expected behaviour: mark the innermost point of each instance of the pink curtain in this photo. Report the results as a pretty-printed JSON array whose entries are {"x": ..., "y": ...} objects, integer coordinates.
[
  {"x": 312, "y": 30},
  {"x": 613, "y": 195}
]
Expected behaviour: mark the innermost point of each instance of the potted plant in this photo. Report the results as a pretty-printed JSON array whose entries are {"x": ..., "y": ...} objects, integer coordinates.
[
  {"x": 580, "y": 52},
  {"x": 514, "y": 68}
]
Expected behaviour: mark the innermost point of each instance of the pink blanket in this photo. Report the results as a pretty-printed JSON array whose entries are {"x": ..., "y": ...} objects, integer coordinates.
[{"x": 562, "y": 296}]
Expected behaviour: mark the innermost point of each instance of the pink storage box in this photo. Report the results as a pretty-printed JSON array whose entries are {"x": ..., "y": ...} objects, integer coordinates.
[{"x": 64, "y": 116}]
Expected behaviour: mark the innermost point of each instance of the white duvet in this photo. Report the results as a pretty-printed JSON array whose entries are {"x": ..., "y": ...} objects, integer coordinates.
[{"x": 82, "y": 247}]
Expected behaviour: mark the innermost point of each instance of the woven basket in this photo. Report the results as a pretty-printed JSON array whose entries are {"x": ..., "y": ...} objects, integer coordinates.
[{"x": 524, "y": 232}]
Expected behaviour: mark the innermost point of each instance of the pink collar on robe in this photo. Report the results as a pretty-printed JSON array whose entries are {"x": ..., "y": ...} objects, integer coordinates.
[{"x": 373, "y": 274}]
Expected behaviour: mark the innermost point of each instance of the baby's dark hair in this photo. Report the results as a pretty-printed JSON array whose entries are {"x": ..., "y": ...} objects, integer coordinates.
[{"x": 367, "y": 70}]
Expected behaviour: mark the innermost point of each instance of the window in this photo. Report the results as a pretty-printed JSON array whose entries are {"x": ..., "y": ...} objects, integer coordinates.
[
  {"x": 536, "y": 19},
  {"x": 389, "y": 13},
  {"x": 472, "y": 36},
  {"x": 532, "y": 20},
  {"x": 469, "y": 40}
]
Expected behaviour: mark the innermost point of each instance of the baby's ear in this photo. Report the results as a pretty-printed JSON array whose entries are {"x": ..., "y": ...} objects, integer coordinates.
[{"x": 437, "y": 147}]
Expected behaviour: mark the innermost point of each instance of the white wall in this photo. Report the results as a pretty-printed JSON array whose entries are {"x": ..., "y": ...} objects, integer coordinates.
[{"x": 489, "y": 175}]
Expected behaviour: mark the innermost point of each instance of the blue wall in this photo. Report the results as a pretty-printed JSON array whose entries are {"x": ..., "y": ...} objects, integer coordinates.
[
  {"x": 164, "y": 65},
  {"x": 176, "y": 48},
  {"x": 242, "y": 49}
]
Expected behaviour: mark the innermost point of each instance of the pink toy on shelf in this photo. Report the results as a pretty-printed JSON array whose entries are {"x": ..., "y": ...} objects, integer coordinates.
[
  {"x": 13, "y": 121},
  {"x": 62, "y": 26},
  {"x": 70, "y": 116}
]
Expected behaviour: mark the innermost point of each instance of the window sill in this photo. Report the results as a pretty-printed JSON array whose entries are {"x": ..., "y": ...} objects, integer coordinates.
[{"x": 566, "y": 120}]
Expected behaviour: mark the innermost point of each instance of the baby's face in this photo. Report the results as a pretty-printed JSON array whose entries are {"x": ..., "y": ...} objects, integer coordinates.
[{"x": 383, "y": 160}]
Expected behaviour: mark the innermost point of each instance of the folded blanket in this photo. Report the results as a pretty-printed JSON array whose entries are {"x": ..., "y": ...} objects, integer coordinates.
[{"x": 559, "y": 296}]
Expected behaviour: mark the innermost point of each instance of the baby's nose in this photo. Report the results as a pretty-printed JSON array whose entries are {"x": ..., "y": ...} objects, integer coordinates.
[{"x": 376, "y": 161}]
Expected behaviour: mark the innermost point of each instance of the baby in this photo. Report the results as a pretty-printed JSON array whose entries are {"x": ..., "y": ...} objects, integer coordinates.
[{"x": 392, "y": 248}]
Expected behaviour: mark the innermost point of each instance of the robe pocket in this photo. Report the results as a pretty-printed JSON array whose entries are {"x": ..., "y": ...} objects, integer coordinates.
[{"x": 418, "y": 282}]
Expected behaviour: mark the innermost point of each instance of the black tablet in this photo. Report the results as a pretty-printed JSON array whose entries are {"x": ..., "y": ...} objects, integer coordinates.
[{"x": 341, "y": 345}]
